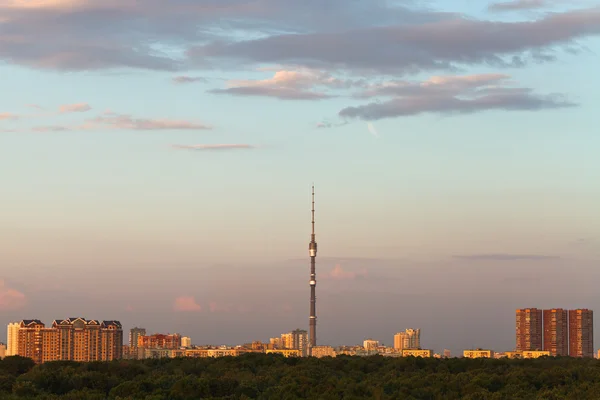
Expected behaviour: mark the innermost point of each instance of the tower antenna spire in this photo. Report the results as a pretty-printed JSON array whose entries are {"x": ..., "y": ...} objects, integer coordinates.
[{"x": 312, "y": 251}]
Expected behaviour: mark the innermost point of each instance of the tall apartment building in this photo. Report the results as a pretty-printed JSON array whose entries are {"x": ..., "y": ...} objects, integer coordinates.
[
  {"x": 556, "y": 332},
  {"x": 581, "y": 333},
  {"x": 186, "y": 342},
  {"x": 159, "y": 341},
  {"x": 73, "y": 339},
  {"x": 370, "y": 344},
  {"x": 2, "y": 351},
  {"x": 12, "y": 339},
  {"x": 134, "y": 335},
  {"x": 30, "y": 339},
  {"x": 295, "y": 340},
  {"x": 529, "y": 329},
  {"x": 409, "y": 339}
]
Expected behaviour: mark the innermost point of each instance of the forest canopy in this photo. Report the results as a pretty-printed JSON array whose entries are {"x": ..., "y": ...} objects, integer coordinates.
[{"x": 259, "y": 376}]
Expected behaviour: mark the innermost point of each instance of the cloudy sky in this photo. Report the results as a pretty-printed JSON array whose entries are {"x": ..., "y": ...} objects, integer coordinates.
[{"x": 157, "y": 160}]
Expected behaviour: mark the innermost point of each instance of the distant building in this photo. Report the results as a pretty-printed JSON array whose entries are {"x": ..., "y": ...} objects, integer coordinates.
[
  {"x": 322, "y": 351},
  {"x": 535, "y": 354},
  {"x": 186, "y": 342},
  {"x": 581, "y": 333},
  {"x": 556, "y": 331},
  {"x": 12, "y": 339},
  {"x": 134, "y": 335},
  {"x": 275, "y": 343},
  {"x": 295, "y": 340},
  {"x": 447, "y": 353},
  {"x": 160, "y": 341},
  {"x": 2, "y": 351},
  {"x": 417, "y": 353},
  {"x": 478, "y": 353},
  {"x": 285, "y": 352},
  {"x": 409, "y": 339},
  {"x": 529, "y": 329},
  {"x": 370, "y": 345}
]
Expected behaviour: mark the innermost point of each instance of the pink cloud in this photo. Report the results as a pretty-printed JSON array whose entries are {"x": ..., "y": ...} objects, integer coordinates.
[
  {"x": 186, "y": 303},
  {"x": 214, "y": 146},
  {"x": 5, "y": 116},
  {"x": 339, "y": 273},
  {"x": 72, "y": 108},
  {"x": 10, "y": 299},
  {"x": 123, "y": 121}
]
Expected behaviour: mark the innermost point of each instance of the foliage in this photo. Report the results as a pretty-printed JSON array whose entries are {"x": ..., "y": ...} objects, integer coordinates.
[{"x": 259, "y": 376}]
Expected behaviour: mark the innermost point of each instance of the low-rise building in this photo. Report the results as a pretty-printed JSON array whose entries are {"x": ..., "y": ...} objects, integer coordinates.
[
  {"x": 322, "y": 351},
  {"x": 478, "y": 353},
  {"x": 285, "y": 352},
  {"x": 417, "y": 353}
]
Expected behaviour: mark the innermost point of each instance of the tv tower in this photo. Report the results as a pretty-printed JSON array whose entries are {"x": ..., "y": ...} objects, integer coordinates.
[{"x": 312, "y": 251}]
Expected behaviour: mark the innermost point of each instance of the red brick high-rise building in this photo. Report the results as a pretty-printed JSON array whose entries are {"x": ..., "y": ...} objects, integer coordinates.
[
  {"x": 556, "y": 331},
  {"x": 581, "y": 333},
  {"x": 529, "y": 329}
]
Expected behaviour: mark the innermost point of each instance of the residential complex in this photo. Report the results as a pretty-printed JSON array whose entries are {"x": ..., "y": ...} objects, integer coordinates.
[
  {"x": 72, "y": 339},
  {"x": 556, "y": 331},
  {"x": 12, "y": 339}
]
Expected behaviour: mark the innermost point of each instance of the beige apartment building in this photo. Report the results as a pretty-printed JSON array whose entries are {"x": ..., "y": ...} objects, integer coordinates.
[{"x": 72, "y": 339}]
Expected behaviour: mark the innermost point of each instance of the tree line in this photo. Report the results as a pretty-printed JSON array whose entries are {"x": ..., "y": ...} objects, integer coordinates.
[{"x": 260, "y": 376}]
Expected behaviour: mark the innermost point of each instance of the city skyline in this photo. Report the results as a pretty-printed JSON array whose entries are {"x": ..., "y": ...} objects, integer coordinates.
[{"x": 453, "y": 144}]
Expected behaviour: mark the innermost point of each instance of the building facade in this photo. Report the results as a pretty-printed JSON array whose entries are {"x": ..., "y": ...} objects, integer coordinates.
[
  {"x": 581, "y": 333},
  {"x": 556, "y": 332},
  {"x": 322, "y": 351},
  {"x": 370, "y": 345},
  {"x": 134, "y": 335},
  {"x": 478, "y": 353},
  {"x": 409, "y": 339},
  {"x": 529, "y": 329},
  {"x": 160, "y": 341},
  {"x": 417, "y": 353},
  {"x": 12, "y": 339},
  {"x": 186, "y": 342},
  {"x": 72, "y": 339}
]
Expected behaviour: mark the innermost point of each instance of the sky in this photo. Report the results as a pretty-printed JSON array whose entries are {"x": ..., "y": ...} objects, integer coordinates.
[{"x": 156, "y": 163}]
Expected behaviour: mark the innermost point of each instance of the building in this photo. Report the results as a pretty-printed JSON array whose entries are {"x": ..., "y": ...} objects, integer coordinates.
[
  {"x": 12, "y": 339},
  {"x": 30, "y": 339},
  {"x": 478, "y": 353},
  {"x": 285, "y": 352},
  {"x": 581, "y": 333},
  {"x": 295, "y": 340},
  {"x": 556, "y": 331},
  {"x": 370, "y": 345},
  {"x": 535, "y": 354},
  {"x": 72, "y": 339},
  {"x": 529, "y": 329},
  {"x": 186, "y": 342},
  {"x": 322, "y": 351},
  {"x": 447, "y": 353},
  {"x": 134, "y": 335},
  {"x": 409, "y": 339},
  {"x": 300, "y": 341},
  {"x": 160, "y": 341},
  {"x": 2, "y": 351},
  {"x": 417, "y": 353}
]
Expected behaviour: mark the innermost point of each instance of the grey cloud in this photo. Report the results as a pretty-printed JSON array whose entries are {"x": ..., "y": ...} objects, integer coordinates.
[
  {"x": 282, "y": 93},
  {"x": 150, "y": 34},
  {"x": 441, "y": 44},
  {"x": 506, "y": 257},
  {"x": 327, "y": 124},
  {"x": 189, "y": 79},
  {"x": 493, "y": 100},
  {"x": 123, "y": 121},
  {"x": 518, "y": 5}
]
